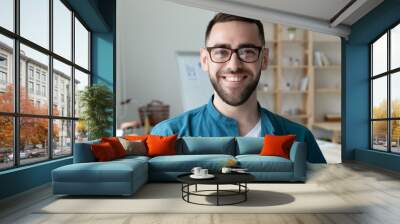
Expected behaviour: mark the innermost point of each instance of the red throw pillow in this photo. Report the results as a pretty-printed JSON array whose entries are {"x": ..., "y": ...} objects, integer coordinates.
[
  {"x": 116, "y": 145},
  {"x": 275, "y": 145},
  {"x": 103, "y": 151},
  {"x": 135, "y": 137},
  {"x": 161, "y": 145}
]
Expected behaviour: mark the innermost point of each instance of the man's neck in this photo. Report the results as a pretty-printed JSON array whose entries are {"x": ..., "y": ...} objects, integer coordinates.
[{"x": 247, "y": 114}]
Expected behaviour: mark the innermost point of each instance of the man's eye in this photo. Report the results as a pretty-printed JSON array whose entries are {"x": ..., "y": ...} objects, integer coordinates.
[
  {"x": 248, "y": 51},
  {"x": 221, "y": 52}
]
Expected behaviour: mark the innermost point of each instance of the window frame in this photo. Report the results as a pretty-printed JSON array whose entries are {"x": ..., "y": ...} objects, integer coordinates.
[
  {"x": 388, "y": 74},
  {"x": 16, "y": 114}
]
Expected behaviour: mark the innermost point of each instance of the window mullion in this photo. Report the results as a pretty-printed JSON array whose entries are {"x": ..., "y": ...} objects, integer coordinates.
[
  {"x": 50, "y": 81},
  {"x": 16, "y": 84},
  {"x": 371, "y": 89},
  {"x": 389, "y": 93},
  {"x": 73, "y": 82}
]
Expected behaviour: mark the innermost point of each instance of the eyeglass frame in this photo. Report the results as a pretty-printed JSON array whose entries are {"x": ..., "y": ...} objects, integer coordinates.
[{"x": 236, "y": 50}]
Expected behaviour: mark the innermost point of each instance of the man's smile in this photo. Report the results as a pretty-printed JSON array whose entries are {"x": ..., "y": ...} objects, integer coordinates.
[
  {"x": 229, "y": 80},
  {"x": 234, "y": 78}
]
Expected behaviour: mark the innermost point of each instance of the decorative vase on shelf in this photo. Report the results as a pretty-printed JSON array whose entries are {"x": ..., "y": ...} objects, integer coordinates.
[{"x": 291, "y": 33}]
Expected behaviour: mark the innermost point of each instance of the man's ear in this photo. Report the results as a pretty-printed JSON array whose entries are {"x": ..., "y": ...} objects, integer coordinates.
[
  {"x": 264, "y": 62},
  {"x": 204, "y": 59}
]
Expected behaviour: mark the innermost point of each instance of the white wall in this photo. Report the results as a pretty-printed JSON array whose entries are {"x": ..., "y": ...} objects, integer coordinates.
[{"x": 149, "y": 36}]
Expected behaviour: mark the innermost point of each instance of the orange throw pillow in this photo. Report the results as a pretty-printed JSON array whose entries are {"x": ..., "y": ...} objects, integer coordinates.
[
  {"x": 103, "y": 151},
  {"x": 161, "y": 145},
  {"x": 275, "y": 145},
  {"x": 135, "y": 137},
  {"x": 116, "y": 145}
]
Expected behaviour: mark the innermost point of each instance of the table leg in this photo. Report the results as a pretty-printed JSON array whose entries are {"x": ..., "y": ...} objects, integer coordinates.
[
  {"x": 182, "y": 190},
  {"x": 245, "y": 191},
  {"x": 188, "y": 192},
  {"x": 217, "y": 194}
]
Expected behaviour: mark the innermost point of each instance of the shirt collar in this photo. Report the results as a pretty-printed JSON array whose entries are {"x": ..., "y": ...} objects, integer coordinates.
[
  {"x": 218, "y": 116},
  {"x": 266, "y": 124}
]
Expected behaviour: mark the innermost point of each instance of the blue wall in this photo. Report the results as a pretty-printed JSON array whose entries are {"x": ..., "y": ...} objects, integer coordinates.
[
  {"x": 103, "y": 52},
  {"x": 24, "y": 178},
  {"x": 99, "y": 16},
  {"x": 355, "y": 74},
  {"x": 102, "y": 58}
]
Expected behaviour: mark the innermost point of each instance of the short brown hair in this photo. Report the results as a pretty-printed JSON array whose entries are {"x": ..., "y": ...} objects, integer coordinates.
[{"x": 222, "y": 17}]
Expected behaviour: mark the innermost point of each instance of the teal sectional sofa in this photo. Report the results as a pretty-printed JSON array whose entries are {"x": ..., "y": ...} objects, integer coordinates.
[{"x": 125, "y": 176}]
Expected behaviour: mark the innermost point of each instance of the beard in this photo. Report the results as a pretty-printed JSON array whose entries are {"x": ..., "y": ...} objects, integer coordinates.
[{"x": 243, "y": 96}]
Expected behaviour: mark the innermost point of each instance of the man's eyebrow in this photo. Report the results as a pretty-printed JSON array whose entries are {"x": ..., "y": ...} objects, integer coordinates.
[
  {"x": 247, "y": 45},
  {"x": 240, "y": 45},
  {"x": 222, "y": 45}
]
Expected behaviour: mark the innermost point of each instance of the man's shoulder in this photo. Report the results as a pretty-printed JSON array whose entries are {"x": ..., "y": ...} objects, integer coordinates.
[{"x": 283, "y": 122}]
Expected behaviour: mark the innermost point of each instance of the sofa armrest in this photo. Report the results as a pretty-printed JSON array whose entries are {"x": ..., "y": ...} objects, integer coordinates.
[
  {"x": 298, "y": 155},
  {"x": 83, "y": 152}
]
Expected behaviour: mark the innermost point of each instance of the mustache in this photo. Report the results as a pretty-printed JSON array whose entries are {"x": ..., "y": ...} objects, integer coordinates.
[{"x": 236, "y": 71}]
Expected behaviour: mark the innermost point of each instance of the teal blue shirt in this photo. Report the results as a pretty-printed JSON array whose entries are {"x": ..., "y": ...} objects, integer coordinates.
[{"x": 207, "y": 121}]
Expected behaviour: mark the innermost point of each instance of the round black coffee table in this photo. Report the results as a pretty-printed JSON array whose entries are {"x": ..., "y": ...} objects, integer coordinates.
[{"x": 238, "y": 179}]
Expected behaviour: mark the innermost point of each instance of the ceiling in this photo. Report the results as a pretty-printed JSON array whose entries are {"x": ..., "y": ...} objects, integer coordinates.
[
  {"x": 319, "y": 9},
  {"x": 317, "y": 15}
]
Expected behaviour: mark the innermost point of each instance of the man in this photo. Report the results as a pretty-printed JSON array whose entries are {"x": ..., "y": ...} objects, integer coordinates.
[{"x": 234, "y": 56}]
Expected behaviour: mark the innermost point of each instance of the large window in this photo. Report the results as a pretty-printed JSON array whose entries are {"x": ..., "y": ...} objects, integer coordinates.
[
  {"x": 44, "y": 64},
  {"x": 385, "y": 91}
]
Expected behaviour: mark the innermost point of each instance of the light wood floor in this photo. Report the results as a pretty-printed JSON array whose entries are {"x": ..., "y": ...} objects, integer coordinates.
[{"x": 378, "y": 188}]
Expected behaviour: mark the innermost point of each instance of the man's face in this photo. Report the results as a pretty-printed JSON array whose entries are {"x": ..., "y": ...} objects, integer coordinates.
[{"x": 234, "y": 81}]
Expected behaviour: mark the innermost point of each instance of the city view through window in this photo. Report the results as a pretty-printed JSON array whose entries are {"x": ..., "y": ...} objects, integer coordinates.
[
  {"x": 385, "y": 82},
  {"x": 39, "y": 113}
]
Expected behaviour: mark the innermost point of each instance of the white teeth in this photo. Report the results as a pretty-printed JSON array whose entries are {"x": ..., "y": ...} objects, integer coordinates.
[{"x": 233, "y": 79}]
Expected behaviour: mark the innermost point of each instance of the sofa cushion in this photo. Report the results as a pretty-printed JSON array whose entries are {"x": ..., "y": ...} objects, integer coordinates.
[
  {"x": 111, "y": 171},
  {"x": 83, "y": 152},
  {"x": 207, "y": 145},
  {"x": 103, "y": 151},
  {"x": 134, "y": 147},
  {"x": 116, "y": 145},
  {"x": 257, "y": 163},
  {"x": 277, "y": 145},
  {"x": 131, "y": 158},
  {"x": 185, "y": 163},
  {"x": 161, "y": 145},
  {"x": 135, "y": 137},
  {"x": 249, "y": 145}
]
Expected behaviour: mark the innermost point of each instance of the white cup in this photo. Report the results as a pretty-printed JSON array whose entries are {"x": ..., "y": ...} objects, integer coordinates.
[
  {"x": 196, "y": 170},
  {"x": 203, "y": 172},
  {"x": 226, "y": 170}
]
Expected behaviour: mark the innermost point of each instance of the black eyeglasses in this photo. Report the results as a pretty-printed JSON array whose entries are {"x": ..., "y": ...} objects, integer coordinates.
[{"x": 223, "y": 54}]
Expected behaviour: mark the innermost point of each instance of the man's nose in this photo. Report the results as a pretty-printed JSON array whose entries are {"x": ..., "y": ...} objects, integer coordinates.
[{"x": 234, "y": 63}]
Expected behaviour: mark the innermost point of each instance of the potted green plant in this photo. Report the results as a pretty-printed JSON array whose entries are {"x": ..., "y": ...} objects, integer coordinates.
[{"x": 96, "y": 102}]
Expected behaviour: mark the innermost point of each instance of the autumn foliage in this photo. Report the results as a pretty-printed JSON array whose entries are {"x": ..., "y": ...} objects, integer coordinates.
[
  {"x": 33, "y": 131},
  {"x": 380, "y": 127}
]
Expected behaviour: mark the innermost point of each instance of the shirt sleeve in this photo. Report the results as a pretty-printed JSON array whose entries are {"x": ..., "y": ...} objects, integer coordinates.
[
  {"x": 303, "y": 134},
  {"x": 162, "y": 129},
  {"x": 314, "y": 153}
]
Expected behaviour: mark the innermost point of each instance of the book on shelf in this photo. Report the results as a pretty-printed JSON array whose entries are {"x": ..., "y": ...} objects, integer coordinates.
[
  {"x": 325, "y": 60},
  {"x": 321, "y": 60},
  {"x": 303, "y": 84},
  {"x": 332, "y": 117}
]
